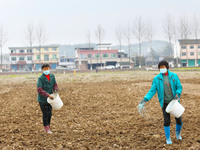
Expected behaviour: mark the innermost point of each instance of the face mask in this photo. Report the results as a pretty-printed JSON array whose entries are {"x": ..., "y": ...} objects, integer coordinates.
[
  {"x": 164, "y": 70},
  {"x": 46, "y": 72}
]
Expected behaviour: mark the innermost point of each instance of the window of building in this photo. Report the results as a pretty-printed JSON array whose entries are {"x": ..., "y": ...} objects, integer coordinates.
[
  {"x": 198, "y": 46},
  {"x": 89, "y": 55},
  {"x": 191, "y": 53},
  {"x": 46, "y": 57},
  {"x": 54, "y": 56},
  {"x": 72, "y": 60},
  {"x": 82, "y": 56},
  {"x": 13, "y": 58},
  {"x": 37, "y": 57},
  {"x": 63, "y": 60},
  {"x": 21, "y": 51},
  {"x": 46, "y": 49},
  {"x": 13, "y": 51},
  {"x": 37, "y": 49},
  {"x": 183, "y": 47},
  {"x": 21, "y": 58},
  {"x": 113, "y": 55},
  {"x": 183, "y": 53},
  {"x": 29, "y": 50},
  {"x": 191, "y": 46},
  {"x": 29, "y": 57},
  {"x": 54, "y": 49},
  {"x": 105, "y": 55},
  {"x": 198, "y": 53},
  {"x": 97, "y": 55}
]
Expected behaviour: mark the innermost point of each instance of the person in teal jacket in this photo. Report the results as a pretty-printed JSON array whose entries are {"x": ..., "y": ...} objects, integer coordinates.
[
  {"x": 46, "y": 85},
  {"x": 168, "y": 87}
]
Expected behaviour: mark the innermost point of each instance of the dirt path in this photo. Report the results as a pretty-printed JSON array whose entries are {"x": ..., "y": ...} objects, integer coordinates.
[{"x": 99, "y": 112}]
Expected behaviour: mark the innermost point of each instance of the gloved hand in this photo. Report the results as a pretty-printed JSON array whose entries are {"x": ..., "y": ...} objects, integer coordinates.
[
  {"x": 141, "y": 107},
  {"x": 55, "y": 91},
  {"x": 176, "y": 97}
]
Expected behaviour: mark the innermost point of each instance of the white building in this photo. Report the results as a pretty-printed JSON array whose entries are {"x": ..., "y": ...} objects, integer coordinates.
[
  {"x": 67, "y": 62},
  {"x": 21, "y": 59},
  {"x": 188, "y": 50}
]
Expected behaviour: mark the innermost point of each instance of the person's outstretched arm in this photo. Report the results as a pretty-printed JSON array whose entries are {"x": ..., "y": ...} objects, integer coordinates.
[
  {"x": 151, "y": 92},
  {"x": 148, "y": 96}
]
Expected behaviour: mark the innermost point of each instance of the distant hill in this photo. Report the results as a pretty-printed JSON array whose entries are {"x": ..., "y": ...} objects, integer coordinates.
[
  {"x": 69, "y": 50},
  {"x": 159, "y": 47}
]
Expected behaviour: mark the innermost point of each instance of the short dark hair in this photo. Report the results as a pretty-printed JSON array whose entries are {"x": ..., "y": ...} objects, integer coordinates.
[
  {"x": 163, "y": 63},
  {"x": 45, "y": 65}
]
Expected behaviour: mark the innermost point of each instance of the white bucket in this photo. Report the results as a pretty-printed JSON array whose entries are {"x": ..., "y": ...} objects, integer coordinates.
[
  {"x": 56, "y": 103},
  {"x": 175, "y": 108}
]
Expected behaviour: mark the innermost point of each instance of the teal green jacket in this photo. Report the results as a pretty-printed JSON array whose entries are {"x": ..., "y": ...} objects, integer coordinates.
[
  {"x": 158, "y": 86},
  {"x": 45, "y": 87}
]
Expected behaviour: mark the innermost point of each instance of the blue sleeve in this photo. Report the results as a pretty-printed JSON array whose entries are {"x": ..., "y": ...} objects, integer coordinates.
[
  {"x": 178, "y": 86},
  {"x": 151, "y": 92}
]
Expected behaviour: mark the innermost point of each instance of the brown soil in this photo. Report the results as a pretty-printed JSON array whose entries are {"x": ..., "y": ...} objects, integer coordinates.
[{"x": 99, "y": 112}]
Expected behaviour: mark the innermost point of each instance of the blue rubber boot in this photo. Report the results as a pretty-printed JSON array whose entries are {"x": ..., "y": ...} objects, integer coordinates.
[
  {"x": 178, "y": 131},
  {"x": 167, "y": 134}
]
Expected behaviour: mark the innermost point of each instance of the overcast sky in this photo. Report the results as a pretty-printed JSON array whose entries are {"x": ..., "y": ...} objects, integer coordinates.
[{"x": 67, "y": 21}]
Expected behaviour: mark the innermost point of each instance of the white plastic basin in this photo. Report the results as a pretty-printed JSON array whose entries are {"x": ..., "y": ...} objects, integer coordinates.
[
  {"x": 56, "y": 103},
  {"x": 175, "y": 108}
]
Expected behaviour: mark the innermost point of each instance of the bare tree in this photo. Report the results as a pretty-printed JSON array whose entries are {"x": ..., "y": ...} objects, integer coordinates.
[
  {"x": 100, "y": 33},
  {"x": 119, "y": 35},
  {"x": 29, "y": 35},
  {"x": 196, "y": 29},
  {"x": 184, "y": 31},
  {"x": 3, "y": 39},
  {"x": 40, "y": 38},
  {"x": 168, "y": 27},
  {"x": 139, "y": 31},
  {"x": 127, "y": 35},
  {"x": 150, "y": 30},
  {"x": 175, "y": 41},
  {"x": 88, "y": 36},
  {"x": 184, "y": 27}
]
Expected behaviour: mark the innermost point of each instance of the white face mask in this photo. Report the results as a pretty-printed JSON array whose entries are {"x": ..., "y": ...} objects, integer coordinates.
[
  {"x": 163, "y": 70},
  {"x": 46, "y": 72}
]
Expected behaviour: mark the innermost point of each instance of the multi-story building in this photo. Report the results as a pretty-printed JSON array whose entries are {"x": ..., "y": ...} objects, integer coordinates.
[
  {"x": 21, "y": 58},
  {"x": 46, "y": 54},
  {"x": 189, "y": 52},
  {"x": 88, "y": 58},
  {"x": 67, "y": 62},
  {"x": 28, "y": 59}
]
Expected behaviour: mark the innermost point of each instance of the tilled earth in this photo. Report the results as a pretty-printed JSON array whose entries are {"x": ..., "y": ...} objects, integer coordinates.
[{"x": 99, "y": 112}]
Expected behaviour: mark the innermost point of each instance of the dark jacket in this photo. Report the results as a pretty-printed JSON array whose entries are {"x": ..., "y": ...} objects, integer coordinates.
[{"x": 45, "y": 87}]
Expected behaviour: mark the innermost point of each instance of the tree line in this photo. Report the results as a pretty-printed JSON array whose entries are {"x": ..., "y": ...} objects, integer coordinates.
[
  {"x": 140, "y": 29},
  {"x": 144, "y": 31}
]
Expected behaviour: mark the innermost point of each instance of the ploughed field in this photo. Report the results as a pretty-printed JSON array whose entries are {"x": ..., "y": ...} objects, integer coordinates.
[{"x": 99, "y": 112}]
